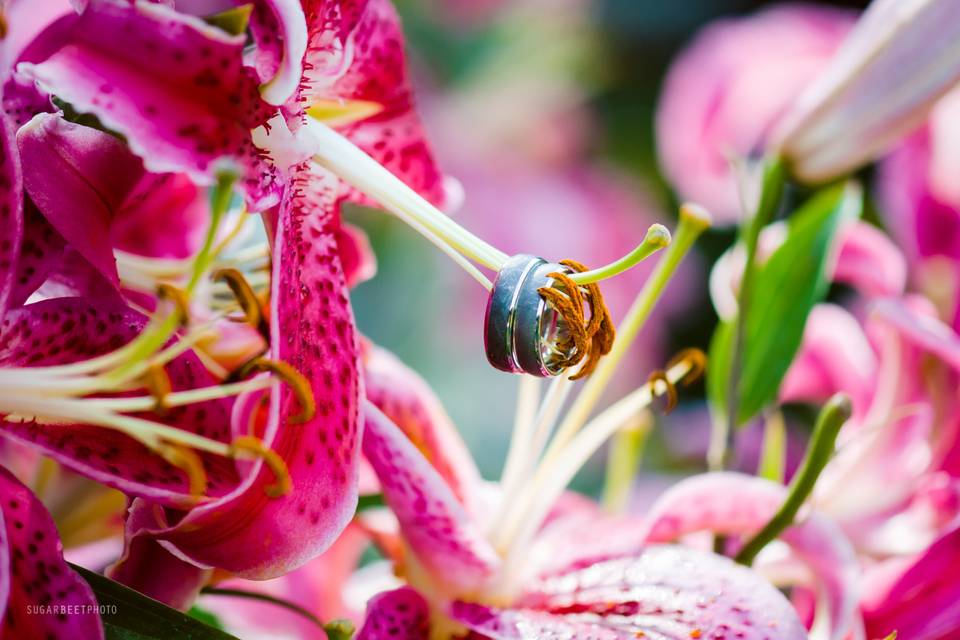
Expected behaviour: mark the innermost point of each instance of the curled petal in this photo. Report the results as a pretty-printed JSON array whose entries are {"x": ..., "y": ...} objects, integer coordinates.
[
  {"x": 149, "y": 568},
  {"x": 175, "y": 87},
  {"x": 436, "y": 526},
  {"x": 898, "y": 60},
  {"x": 281, "y": 34},
  {"x": 34, "y": 577},
  {"x": 921, "y": 329},
  {"x": 733, "y": 504},
  {"x": 401, "y": 614}
]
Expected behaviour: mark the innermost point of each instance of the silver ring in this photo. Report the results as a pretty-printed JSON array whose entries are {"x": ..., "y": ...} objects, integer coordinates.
[{"x": 522, "y": 331}]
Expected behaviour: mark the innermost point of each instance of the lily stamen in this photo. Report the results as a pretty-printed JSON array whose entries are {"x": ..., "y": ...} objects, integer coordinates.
[
  {"x": 661, "y": 386},
  {"x": 189, "y": 462},
  {"x": 157, "y": 382},
  {"x": 555, "y": 472},
  {"x": 253, "y": 445},
  {"x": 297, "y": 382},
  {"x": 247, "y": 299}
]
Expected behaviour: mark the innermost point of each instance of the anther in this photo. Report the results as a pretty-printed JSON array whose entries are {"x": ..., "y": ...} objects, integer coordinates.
[
  {"x": 166, "y": 291},
  {"x": 188, "y": 461},
  {"x": 297, "y": 383},
  {"x": 246, "y": 297},
  {"x": 157, "y": 382},
  {"x": 276, "y": 464},
  {"x": 658, "y": 380},
  {"x": 695, "y": 359}
]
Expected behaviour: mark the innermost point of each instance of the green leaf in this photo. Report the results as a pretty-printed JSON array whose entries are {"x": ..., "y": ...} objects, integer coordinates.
[
  {"x": 786, "y": 288},
  {"x": 129, "y": 615}
]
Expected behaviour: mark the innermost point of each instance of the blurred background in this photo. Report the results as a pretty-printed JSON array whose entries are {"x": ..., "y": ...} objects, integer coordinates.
[{"x": 544, "y": 111}]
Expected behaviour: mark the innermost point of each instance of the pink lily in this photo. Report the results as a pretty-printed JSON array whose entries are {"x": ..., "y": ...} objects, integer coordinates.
[
  {"x": 726, "y": 93},
  {"x": 324, "y": 501}
]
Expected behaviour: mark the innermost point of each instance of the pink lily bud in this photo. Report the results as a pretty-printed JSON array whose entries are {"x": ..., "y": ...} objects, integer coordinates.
[{"x": 901, "y": 56}]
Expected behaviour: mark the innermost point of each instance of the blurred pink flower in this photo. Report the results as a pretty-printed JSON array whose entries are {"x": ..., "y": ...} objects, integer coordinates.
[{"x": 728, "y": 90}]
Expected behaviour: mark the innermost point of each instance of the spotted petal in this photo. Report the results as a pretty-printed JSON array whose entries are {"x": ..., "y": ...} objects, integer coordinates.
[
  {"x": 312, "y": 330},
  {"x": 407, "y": 400},
  {"x": 433, "y": 522},
  {"x": 401, "y": 614},
  {"x": 34, "y": 579},
  {"x": 355, "y": 56},
  {"x": 662, "y": 593},
  {"x": 175, "y": 87},
  {"x": 733, "y": 504}
]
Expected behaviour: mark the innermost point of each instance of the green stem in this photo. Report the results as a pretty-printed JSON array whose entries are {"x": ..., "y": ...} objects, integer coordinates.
[
  {"x": 834, "y": 414},
  {"x": 770, "y": 193}
]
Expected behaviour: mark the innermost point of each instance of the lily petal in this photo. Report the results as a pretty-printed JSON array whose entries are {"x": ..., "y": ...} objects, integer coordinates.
[
  {"x": 834, "y": 355},
  {"x": 34, "y": 576},
  {"x": 737, "y": 504},
  {"x": 41, "y": 252},
  {"x": 663, "y": 592},
  {"x": 78, "y": 177},
  {"x": 870, "y": 262},
  {"x": 922, "y": 602},
  {"x": 406, "y": 399},
  {"x": 312, "y": 330},
  {"x": 356, "y": 55},
  {"x": 175, "y": 87},
  {"x": 11, "y": 213},
  {"x": 152, "y": 570},
  {"x": 434, "y": 523},
  {"x": 401, "y": 614},
  {"x": 923, "y": 330},
  {"x": 900, "y": 57}
]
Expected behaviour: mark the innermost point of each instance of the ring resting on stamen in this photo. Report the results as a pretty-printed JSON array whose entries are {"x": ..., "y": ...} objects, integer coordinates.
[{"x": 523, "y": 333}]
